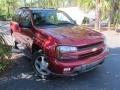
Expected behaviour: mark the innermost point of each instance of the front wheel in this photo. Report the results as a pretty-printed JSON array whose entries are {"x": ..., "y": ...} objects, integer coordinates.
[{"x": 40, "y": 64}]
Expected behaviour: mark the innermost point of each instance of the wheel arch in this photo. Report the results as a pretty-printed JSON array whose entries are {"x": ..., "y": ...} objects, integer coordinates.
[{"x": 35, "y": 48}]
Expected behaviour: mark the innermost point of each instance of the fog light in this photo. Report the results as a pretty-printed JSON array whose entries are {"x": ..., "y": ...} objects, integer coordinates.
[{"x": 67, "y": 69}]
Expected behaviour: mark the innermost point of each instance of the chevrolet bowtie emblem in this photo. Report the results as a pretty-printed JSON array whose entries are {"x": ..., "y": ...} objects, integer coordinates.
[{"x": 94, "y": 49}]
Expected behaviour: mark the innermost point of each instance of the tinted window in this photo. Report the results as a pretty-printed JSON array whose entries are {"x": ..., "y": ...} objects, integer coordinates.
[{"x": 25, "y": 18}]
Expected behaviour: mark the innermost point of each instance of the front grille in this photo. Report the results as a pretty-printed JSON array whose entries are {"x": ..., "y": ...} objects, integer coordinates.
[
  {"x": 86, "y": 47},
  {"x": 91, "y": 46},
  {"x": 87, "y": 55}
]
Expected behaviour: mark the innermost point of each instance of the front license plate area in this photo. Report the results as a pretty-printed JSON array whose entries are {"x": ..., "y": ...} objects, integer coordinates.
[{"x": 87, "y": 67}]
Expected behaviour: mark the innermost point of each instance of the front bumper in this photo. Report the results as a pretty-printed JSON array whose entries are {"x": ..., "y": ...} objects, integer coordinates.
[
  {"x": 81, "y": 69},
  {"x": 76, "y": 66}
]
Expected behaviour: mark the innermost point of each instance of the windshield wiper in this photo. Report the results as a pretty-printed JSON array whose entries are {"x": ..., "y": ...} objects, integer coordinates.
[
  {"x": 64, "y": 23},
  {"x": 49, "y": 24}
]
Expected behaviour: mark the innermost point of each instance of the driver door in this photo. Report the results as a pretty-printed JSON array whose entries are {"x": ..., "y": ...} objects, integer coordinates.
[{"x": 26, "y": 30}]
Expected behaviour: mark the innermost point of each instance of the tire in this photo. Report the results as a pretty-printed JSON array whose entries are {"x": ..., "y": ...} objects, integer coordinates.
[
  {"x": 14, "y": 42},
  {"x": 15, "y": 45},
  {"x": 40, "y": 64}
]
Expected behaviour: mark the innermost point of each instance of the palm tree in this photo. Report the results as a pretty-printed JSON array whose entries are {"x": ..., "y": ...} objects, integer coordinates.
[
  {"x": 100, "y": 6},
  {"x": 97, "y": 12},
  {"x": 114, "y": 13},
  {"x": 86, "y": 4},
  {"x": 91, "y": 4}
]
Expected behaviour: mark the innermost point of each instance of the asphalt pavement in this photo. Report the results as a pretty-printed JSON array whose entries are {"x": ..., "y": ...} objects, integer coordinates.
[{"x": 21, "y": 75}]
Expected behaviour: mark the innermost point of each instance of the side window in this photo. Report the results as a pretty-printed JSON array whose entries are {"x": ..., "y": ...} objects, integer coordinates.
[{"x": 25, "y": 19}]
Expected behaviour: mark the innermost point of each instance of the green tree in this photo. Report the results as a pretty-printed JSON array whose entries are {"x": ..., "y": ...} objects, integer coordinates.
[
  {"x": 100, "y": 6},
  {"x": 114, "y": 13},
  {"x": 7, "y": 6}
]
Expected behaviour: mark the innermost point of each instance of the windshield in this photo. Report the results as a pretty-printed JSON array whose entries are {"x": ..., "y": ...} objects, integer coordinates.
[{"x": 51, "y": 17}]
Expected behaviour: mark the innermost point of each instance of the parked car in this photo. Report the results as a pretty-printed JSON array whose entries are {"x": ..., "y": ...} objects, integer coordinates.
[{"x": 56, "y": 44}]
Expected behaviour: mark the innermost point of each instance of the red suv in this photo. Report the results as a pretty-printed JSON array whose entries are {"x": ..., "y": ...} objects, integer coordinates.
[{"x": 56, "y": 43}]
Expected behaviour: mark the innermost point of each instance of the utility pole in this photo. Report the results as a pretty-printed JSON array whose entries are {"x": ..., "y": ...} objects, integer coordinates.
[{"x": 97, "y": 15}]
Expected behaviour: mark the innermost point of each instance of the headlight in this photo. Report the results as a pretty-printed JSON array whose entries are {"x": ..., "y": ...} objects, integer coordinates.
[
  {"x": 61, "y": 50},
  {"x": 66, "y": 49}
]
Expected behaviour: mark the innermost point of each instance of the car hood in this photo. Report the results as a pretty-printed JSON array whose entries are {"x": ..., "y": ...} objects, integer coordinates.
[{"x": 72, "y": 35}]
